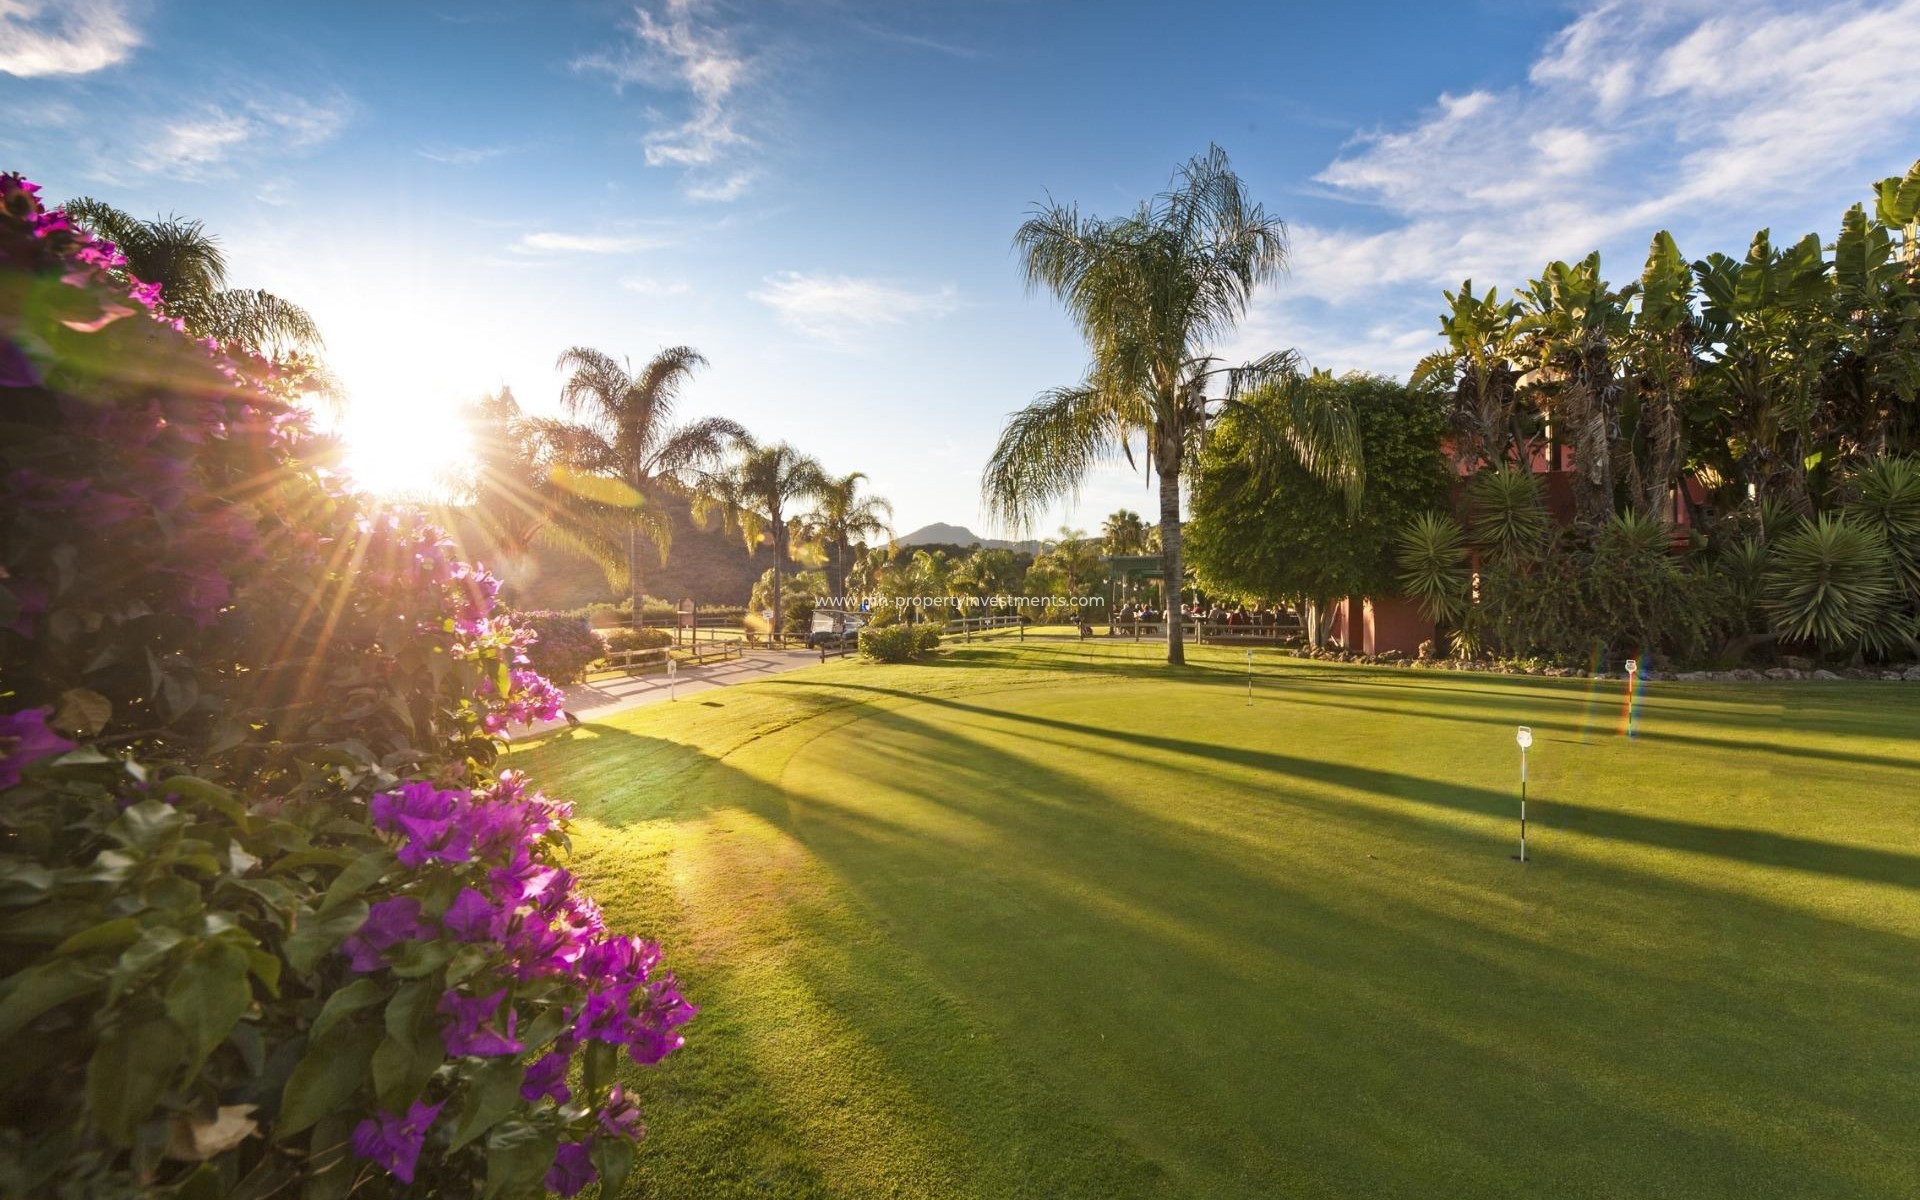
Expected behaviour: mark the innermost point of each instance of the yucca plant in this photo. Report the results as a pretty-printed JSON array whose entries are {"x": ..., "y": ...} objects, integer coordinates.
[
  {"x": 1506, "y": 514},
  {"x": 1886, "y": 499},
  {"x": 1744, "y": 563},
  {"x": 1636, "y": 533},
  {"x": 1432, "y": 554},
  {"x": 1830, "y": 581}
]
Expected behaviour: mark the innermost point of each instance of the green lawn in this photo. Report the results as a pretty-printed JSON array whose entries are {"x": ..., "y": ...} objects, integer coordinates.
[{"x": 1053, "y": 921}]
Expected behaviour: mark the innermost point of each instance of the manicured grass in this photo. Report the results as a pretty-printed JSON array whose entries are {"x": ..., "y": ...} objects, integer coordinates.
[{"x": 1054, "y": 921}]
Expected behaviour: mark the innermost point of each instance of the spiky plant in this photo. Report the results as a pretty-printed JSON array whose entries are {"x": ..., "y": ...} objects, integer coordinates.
[
  {"x": 1830, "y": 581},
  {"x": 1886, "y": 498},
  {"x": 1432, "y": 555},
  {"x": 1506, "y": 513}
]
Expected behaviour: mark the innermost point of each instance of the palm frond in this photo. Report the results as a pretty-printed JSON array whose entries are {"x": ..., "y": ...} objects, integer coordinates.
[{"x": 1045, "y": 452}]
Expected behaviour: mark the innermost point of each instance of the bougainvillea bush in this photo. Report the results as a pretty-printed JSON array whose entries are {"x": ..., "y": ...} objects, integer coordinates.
[{"x": 273, "y": 920}]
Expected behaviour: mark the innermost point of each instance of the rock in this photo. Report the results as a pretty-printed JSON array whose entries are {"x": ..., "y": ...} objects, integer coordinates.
[
  {"x": 1782, "y": 673},
  {"x": 1694, "y": 676},
  {"x": 1892, "y": 676},
  {"x": 1798, "y": 663},
  {"x": 1911, "y": 675},
  {"x": 1747, "y": 675},
  {"x": 1825, "y": 675}
]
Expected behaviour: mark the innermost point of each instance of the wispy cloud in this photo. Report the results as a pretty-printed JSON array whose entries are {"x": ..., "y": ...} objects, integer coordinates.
[
  {"x": 65, "y": 37},
  {"x": 204, "y": 144},
  {"x": 1637, "y": 116},
  {"x": 463, "y": 156},
  {"x": 656, "y": 287},
  {"x": 837, "y": 309},
  {"x": 670, "y": 50},
  {"x": 557, "y": 242}
]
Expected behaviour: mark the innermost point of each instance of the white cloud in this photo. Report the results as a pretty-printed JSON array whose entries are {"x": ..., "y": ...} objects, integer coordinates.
[
  {"x": 1634, "y": 117},
  {"x": 462, "y": 156},
  {"x": 202, "y": 145},
  {"x": 70, "y": 37},
  {"x": 672, "y": 51},
  {"x": 555, "y": 242},
  {"x": 657, "y": 287},
  {"x": 838, "y": 308}
]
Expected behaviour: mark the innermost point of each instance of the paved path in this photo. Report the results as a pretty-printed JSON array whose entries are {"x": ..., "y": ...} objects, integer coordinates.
[{"x": 604, "y": 697}]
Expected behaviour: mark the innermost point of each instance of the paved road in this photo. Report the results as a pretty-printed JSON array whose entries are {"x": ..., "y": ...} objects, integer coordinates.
[{"x": 602, "y": 698}]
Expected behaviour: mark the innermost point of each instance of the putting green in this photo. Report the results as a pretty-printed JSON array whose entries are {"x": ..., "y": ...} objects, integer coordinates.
[{"x": 1055, "y": 921}]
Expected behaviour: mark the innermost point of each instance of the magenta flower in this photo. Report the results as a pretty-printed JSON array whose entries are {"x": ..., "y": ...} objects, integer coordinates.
[
  {"x": 472, "y": 917},
  {"x": 548, "y": 1077},
  {"x": 25, "y": 739},
  {"x": 471, "y": 1031},
  {"x": 394, "y": 1141},
  {"x": 572, "y": 1169},
  {"x": 388, "y": 923},
  {"x": 621, "y": 1116}
]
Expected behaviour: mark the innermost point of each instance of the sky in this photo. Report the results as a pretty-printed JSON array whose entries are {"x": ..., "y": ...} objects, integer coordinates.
[{"x": 820, "y": 195}]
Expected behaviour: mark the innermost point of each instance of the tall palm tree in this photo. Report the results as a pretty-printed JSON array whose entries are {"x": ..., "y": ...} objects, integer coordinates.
[
  {"x": 1124, "y": 533},
  {"x": 621, "y": 458},
  {"x": 841, "y": 517},
  {"x": 1151, "y": 293},
  {"x": 756, "y": 493},
  {"x": 1573, "y": 327},
  {"x": 1477, "y": 368},
  {"x": 187, "y": 262}
]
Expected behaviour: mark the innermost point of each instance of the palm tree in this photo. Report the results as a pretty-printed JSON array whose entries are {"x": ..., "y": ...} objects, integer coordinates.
[
  {"x": 1151, "y": 292},
  {"x": 621, "y": 458},
  {"x": 841, "y": 517},
  {"x": 755, "y": 493},
  {"x": 1477, "y": 368},
  {"x": 1124, "y": 533},
  {"x": 1572, "y": 327},
  {"x": 186, "y": 261}
]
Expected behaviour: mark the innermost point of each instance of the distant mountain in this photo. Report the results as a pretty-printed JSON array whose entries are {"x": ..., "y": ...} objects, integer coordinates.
[{"x": 942, "y": 534}]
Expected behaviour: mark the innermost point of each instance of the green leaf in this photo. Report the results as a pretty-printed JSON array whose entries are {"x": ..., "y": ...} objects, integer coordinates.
[
  {"x": 518, "y": 1156},
  {"x": 128, "y": 1073},
  {"x": 361, "y": 993},
  {"x": 329, "y": 1074},
  {"x": 613, "y": 1158},
  {"x": 149, "y": 825},
  {"x": 200, "y": 791},
  {"x": 43, "y": 987},
  {"x": 207, "y": 998},
  {"x": 317, "y": 934},
  {"x": 108, "y": 935},
  {"x": 493, "y": 1091},
  {"x": 413, "y": 1049},
  {"x": 356, "y": 878},
  {"x": 153, "y": 945}
]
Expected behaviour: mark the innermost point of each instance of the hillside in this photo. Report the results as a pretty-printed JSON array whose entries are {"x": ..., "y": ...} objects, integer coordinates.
[{"x": 942, "y": 534}]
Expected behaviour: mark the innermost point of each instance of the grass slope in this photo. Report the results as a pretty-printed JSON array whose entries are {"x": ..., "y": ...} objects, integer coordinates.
[{"x": 1037, "y": 921}]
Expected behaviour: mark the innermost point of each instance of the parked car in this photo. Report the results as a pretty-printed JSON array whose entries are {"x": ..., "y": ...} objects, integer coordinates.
[{"x": 832, "y": 627}]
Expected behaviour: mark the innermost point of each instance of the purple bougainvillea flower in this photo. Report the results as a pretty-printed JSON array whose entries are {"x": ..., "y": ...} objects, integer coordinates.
[
  {"x": 548, "y": 1077},
  {"x": 388, "y": 923},
  {"x": 394, "y": 1141},
  {"x": 472, "y": 917},
  {"x": 25, "y": 739},
  {"x": 572, "y": 1169},
  {"x": 620, "y": 1117},
  {"x": 471, "y": 1030}
]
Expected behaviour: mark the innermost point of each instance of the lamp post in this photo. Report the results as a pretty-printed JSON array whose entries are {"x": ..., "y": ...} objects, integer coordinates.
[
  {"x": 673, "y": 670},
  {"x": 1633, "y": 693},
  {"x": 1524, "y": 736}
]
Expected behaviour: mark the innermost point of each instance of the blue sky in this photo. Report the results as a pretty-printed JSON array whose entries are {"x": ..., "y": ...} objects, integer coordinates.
[{"x": 820, "y": 196}]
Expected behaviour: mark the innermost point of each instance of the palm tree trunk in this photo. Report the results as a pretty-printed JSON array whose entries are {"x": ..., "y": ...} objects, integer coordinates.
[
  {"x": 633, "y": 572},
  {"x": 1170, "y": 562},
  {"x": 779, "y": 535}
]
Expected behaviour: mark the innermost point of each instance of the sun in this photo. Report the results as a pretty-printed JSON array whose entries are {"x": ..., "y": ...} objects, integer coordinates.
[{"x": 403, "y": 448}]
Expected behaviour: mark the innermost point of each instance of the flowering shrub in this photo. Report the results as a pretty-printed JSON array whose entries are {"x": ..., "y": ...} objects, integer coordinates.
[
  {"x": 275, "y": 920},
  {"x": 563, "y": 648}
]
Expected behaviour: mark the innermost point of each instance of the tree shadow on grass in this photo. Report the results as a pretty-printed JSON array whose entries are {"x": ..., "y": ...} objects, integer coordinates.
[
  {"x": 1754, "y": 846},
  {"x": 1270, "y": 1031}
]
